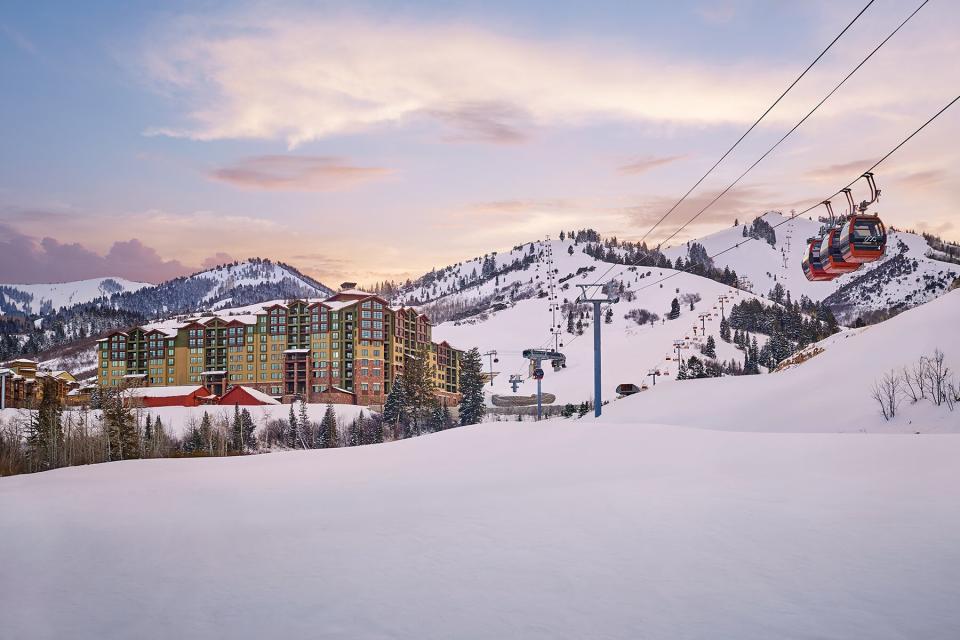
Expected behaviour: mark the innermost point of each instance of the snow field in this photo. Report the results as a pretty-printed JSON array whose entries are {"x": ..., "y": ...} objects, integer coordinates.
[{"x": 562, "y": 529}]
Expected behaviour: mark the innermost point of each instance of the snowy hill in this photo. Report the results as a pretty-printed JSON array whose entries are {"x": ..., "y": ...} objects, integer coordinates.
[
  {"x": 830, "y": 392},
  {"x": 43, "y": 299},
  {"x": 630, "y": 350},
  {"x": 917, "y": 280}
]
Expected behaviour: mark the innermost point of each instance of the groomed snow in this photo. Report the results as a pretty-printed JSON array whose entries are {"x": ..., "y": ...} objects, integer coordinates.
[{"x": 503, "y": 530}]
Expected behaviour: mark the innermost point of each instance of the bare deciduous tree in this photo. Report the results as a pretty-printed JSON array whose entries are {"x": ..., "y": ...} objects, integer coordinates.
[{"x": 886, "y": 392}]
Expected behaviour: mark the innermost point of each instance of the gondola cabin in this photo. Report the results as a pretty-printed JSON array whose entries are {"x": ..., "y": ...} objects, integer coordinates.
[
  {"x": 831, "y": 257},
  {"x": 627, "y": 389},
  {"x": 863, "y": 239},
  {"x": 812, "y": 266}
]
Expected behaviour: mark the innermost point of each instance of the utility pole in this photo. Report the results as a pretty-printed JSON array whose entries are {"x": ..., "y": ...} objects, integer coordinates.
[
  {"x": 492, "y": 355},
  {"x": 515, "y": 381},
  {"x": 596, "y": 302}
]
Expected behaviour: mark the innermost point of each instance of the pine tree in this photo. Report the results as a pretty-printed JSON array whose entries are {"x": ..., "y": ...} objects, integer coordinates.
[
  {"x": 304, "y": 426},
  {"x": 420, "y": 390},
  {"x": 206, "y": 434},
  {"x": 472, "y": 404},
  {"x": 147, "y": 447},
  {"x": 120, "y": 425},
  {"x": 247, "y": 428},
  {"x": 328, "y": 428},
  {"x": 695, "y": 368},
  {"x": 395, "y": 408},
  {"x": 293, "y": 431},
  {"x": 724, "y": 330},
  {"x": 608, "y": 316},
  {"x": 710, "y": 349},
  {"x": 674, "y": 310},
  {"x": 355, "y": 432},
  {"x": 236, "y": 431}
]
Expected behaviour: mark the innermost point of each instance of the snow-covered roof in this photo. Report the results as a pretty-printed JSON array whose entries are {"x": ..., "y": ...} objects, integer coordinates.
[
  {"x": 336, "y": 305},
  {"x": 135, "y": 375},
  {"x": 213, "y": 373},
  {"x": 164, "y": 392},
  {"x": 258, "y": 395},
  {"x": 296, "y": 350}
]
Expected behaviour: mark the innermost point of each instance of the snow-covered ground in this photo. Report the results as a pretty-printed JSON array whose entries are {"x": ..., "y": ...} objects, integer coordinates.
[
  {"x": 65, "y": 294},
  {"x": 562, "y": 529}
]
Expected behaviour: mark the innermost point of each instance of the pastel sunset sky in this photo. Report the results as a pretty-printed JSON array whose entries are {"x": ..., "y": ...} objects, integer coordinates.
[{"x": 371, "y": 141}]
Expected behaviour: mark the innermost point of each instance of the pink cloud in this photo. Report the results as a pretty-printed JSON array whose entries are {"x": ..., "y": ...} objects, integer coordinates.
[
  {"x": 296, "y": 173},
  {"x": 24, "y": 260},
  {"x": 643, "y": 165}
]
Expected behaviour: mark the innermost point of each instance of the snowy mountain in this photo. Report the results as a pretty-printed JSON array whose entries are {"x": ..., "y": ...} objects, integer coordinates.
[
  {"x": 60, "y": 332},
  {"x": 43, "y": 299},
  {"x": 235, "y": 284},
  {"x": 912, "y": 278}
]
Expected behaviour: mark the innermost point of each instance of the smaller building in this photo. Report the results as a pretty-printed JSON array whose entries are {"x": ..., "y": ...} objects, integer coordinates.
[
  {"x": 246, "y": 397},
  {"x": 183, "y": 396}
]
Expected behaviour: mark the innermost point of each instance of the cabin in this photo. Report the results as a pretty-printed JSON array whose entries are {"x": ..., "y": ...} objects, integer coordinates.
[
  {"x": 246, "y": 397},
  {"x": 178, "y": 396}
]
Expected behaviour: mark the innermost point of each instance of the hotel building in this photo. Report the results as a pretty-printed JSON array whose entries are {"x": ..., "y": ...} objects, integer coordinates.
[{"x": 348, "y": 348}]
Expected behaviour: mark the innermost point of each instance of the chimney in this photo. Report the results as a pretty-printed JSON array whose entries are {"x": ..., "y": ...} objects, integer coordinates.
[{"x": 347, "y": 285}]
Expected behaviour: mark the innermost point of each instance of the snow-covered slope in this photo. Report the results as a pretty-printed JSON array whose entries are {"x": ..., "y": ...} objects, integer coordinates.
[
  {"x": 830, "y": 392},
  {"x": 558, "y": 530},
  {"x": 630, "y": 351},
  {"x": 45, "y": 298},
  {"x": 763, "y": 265}
]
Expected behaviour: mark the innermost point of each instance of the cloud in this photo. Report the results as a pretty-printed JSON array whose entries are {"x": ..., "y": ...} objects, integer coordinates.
[
  {"x": 842, "y": 170},
  {"x": 305, "y": 77},
  {"x": 217, "y": 259},
  {"x": 18, "y": 39},
  {"x": 484, "y": 122},
  {"x": 296, "y": 173},
  {"x": 643, "y": 165},
  {"x": 923, "y": 179},
  {"x": 25, "y": 260}
]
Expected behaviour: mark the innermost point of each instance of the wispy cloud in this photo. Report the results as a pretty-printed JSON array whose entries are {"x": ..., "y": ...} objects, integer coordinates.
[
  {"x": 297, "y": 173},
  {"x": 309, "y": 76},
  {"x": 840, "y": 170},
  {"x": 485, "y": 122},
  {"x": 21, "y": 41},
  {"x": 642, "y": 165}
]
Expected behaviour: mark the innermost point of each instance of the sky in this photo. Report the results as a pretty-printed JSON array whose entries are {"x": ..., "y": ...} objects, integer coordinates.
[{"x": 378, "y": 140}]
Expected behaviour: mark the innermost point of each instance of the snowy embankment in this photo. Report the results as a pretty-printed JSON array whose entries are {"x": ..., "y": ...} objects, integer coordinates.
[
  {"x": 831, "y": 392},
  {"x": 561, "y": 529}
]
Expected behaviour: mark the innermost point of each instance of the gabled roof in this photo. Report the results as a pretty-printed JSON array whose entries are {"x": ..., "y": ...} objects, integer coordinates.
[{"x": 253, "y": 393}]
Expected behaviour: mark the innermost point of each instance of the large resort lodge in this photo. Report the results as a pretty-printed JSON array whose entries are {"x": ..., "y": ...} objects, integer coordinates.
[{"x": 348, "y": 348}]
